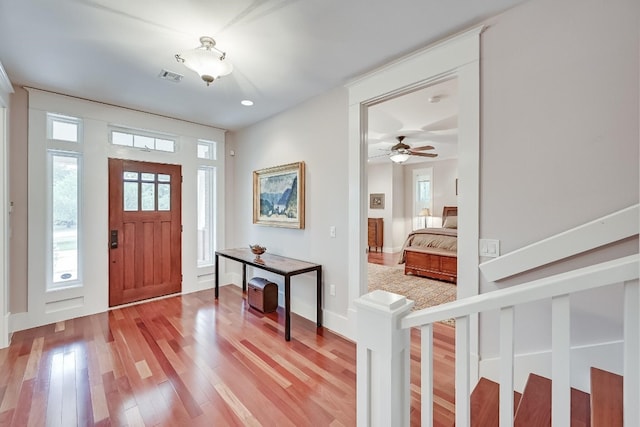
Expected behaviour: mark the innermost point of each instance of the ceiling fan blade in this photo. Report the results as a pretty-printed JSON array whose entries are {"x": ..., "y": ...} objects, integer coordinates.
[
  {"x": 424, "y": 147},
  {"x": 424, "y": 154}
]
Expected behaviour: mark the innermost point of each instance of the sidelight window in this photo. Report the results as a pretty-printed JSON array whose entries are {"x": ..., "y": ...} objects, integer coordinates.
[{"x": 64, "y": 207}]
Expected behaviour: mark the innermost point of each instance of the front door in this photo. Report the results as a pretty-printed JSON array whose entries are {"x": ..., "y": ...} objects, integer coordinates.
[{"x": 145, "y": 230}]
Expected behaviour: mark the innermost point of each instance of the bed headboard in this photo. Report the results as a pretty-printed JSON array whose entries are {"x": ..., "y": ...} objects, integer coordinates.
[{"x": 449, "y": 211}]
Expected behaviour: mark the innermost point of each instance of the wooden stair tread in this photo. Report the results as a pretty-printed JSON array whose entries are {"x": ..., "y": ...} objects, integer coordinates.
[
  {"x": 535, "y": 405},
  {"x": 606, "y": 398},
  {"x": 485, "y": 403}
]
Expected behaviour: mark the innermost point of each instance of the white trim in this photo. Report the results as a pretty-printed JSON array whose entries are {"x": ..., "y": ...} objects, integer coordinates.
[
  {"x": 602, "y": 231},
  {"x": 457, "y": 57},
  {"x": 6, "y": 88}
]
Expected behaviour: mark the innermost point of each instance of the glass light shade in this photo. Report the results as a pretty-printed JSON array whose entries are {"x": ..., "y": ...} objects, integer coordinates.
[
  {"x": 206, "y": 63},
  {"x": 399, "y": 157}
]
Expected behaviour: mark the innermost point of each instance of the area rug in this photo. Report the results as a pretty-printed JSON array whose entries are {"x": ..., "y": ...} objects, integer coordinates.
[{"x": 425, "y": 292}]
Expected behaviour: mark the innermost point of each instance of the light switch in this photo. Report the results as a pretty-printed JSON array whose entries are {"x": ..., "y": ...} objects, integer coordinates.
[
  {"x": 490, "y": 248},
  {"x": 332, "y": 231}
]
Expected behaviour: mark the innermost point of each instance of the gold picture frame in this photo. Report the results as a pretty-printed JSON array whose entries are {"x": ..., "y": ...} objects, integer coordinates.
[{"x": 278, "y": 196}]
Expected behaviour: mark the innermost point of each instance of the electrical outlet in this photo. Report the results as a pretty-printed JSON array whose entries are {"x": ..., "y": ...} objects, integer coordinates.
[{"x": 332, "y": 290}]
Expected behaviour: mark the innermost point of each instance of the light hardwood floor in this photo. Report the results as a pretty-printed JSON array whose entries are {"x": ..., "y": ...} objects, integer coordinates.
[{"x": 191, "y": 361}]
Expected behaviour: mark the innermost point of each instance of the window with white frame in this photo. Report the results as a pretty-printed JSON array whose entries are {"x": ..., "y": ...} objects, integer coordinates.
[
  {"x": 142, "y": 140},
  {"x": 63, "y": 128},
  {"x": 422, "y": 201},
  {"x": 206, "y": 201},
  {"x": 64, "y": 164},
  {"x": 65, "y": 215},
  {"x": 206, "y": 215},
  {"x": 206, "y": 149}
]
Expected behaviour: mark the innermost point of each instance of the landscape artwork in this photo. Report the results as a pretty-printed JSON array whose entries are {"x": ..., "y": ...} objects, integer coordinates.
[{"x": 278, "y": 196}]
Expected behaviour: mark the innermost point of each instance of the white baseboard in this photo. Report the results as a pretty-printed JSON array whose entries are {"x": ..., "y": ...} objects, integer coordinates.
[{"x": 607, "y": 356}]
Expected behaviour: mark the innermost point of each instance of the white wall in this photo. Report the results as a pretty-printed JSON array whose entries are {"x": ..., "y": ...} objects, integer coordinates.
[
  {"x": 314, "y": 132},
  {"x": 559, "y": 144}
]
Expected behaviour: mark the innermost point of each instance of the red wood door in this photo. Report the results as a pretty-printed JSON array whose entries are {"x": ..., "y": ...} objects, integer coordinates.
[{"x": 145, "y": 230}]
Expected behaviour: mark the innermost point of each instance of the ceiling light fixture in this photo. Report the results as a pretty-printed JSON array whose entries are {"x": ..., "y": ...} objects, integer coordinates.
[
  {"x": 246, "y": 102},
  {"x": 209, "y": 62},
  {"x": 399, "y": 156}
]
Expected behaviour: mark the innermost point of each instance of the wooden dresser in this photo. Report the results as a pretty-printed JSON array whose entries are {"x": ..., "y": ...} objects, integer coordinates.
[{"x": 376, "y": 234}]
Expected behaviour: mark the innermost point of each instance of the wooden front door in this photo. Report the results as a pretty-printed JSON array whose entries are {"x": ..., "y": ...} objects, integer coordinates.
[{"x": 145, "y": 230}]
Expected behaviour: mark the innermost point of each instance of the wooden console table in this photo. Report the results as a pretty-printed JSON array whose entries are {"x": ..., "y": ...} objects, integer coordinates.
[{"x": 277, "y": 264}]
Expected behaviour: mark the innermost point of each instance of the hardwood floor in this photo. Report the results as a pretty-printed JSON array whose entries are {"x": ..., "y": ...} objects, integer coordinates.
[
  {"x": 192, "y": 361},
  {"x": 383, "y": 258}
]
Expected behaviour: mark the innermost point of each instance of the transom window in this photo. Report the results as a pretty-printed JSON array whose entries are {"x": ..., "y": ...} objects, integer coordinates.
[
  {"x": 146, "y": 191},
  {"x": 206, "y": 149},
  {"x": 63, "y": 128},
  {"x": 145, "y": 141}
]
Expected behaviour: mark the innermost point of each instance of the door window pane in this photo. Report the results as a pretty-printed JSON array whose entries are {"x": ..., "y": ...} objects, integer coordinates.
[
  {"x": 148, "y": 177},
  {"x": 130, "y": 196},
  {"x": 164, "y": 178},
  {"x": 64, "y": 211},
  {"x": 148, "y": 199},
  {"x": 129, "y": 176},
  {"x": 164, "y": 197}
]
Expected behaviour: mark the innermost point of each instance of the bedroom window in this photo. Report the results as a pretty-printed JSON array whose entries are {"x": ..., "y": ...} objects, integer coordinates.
[{"x": 423, "y": 190}]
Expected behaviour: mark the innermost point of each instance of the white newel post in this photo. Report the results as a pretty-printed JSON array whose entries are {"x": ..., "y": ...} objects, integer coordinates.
[{"x": 383, "y": 365}]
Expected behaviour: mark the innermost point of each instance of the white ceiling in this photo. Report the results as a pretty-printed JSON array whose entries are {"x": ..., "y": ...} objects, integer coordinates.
[
  {"x": 283, "y": 51},
  {"x": 425, "y": 117}
]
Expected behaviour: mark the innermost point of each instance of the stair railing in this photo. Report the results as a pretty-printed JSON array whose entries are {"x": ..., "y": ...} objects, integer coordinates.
[{"x": 384, "y": 322}]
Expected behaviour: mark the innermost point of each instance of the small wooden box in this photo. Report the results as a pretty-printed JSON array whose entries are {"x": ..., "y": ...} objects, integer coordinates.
[{"x": 262, "y": 294}]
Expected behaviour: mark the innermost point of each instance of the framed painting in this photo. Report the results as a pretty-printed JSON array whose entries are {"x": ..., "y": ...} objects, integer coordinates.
[
  {"x": 278, "y": 196},
  {"x": 376, "y": 201}
]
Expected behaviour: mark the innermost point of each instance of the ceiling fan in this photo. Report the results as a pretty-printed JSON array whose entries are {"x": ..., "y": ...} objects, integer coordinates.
[{"x": 401, "y": 152}]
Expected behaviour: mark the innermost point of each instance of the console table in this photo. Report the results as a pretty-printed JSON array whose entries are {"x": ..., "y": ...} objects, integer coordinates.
[{"x": 277, "y": 264}]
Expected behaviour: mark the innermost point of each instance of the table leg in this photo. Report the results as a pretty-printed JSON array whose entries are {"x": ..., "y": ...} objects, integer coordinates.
[
  {"x": 217, "y": 276},
  {"x": 244, "y": 277},
  {"x": 319, "y": 297},
  {"x": 287, "y": 308}
]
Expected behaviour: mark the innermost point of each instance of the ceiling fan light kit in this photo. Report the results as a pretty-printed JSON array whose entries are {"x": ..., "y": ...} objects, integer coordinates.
[
  {"x": 399, "y": 157},
  {"x": 401, "y": 152},
  {"x": 209, "y": 62}
]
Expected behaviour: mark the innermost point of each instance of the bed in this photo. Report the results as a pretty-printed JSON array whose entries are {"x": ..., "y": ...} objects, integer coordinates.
[{"x": 433, "y": 252}]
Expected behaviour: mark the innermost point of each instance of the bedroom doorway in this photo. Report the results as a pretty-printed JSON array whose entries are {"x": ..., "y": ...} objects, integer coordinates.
[
  {"x": 422, "y": 125},
  {"x": 455, "y": 57}
]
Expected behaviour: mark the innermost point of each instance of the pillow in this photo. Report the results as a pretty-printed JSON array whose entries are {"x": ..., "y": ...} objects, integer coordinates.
[{"x": 450, "y": 222}]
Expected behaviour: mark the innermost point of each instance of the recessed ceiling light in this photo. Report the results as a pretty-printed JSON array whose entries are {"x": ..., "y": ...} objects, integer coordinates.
[{"x": 246, "y": 102}]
